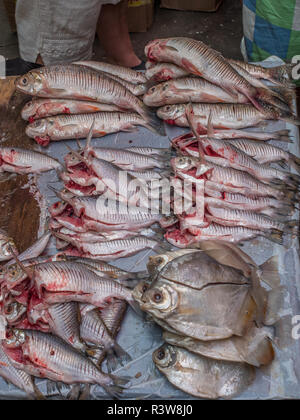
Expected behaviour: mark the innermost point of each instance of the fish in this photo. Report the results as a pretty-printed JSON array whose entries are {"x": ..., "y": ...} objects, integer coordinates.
[
  {"x": 115, "y": 249},
  {"x": 34, "y": 250},
  {"x": 43, "y": 108},
  {"x": 65, "y": 127},
  {"x": 7, "y": 247},
  {"x": 281, "y": 135},
  {"x": 280, "y": 75},
  {"x": 124, "y": 73},
  {"x": 192, "y": 294},
  {"x": 216, "y": 232},
  {"x": 189, "y": 89},
  {"x": 226, "y": 154},
  {"x": 64, "y": 322},
  {"x": 249, "y": 219},
  {"x": 17, "y": 377},
  {"x": 160, "y": 72},
  {"x": 94, "y": 330},
  {"x": 111, "y": 216},
  {"x": 228, "y": 179},
  {"x": 255, "y": 348},
  {"x": 201, "y": 60},
  {"x": 224, "y": 116},
  {"x": 127, "y": 160},
  {"x": 46, "y": 356},
  {"x": 266, "y": 153},
  {"x": 200, "y": 376},
  {"x": 58, "y": 282},
  {"x": 81, "y": 83},
  {"x": 104, "y": 269},
  {"x": 23, "y": 161}
]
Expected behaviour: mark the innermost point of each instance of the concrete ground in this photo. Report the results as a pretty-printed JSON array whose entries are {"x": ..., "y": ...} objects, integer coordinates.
[{"x": 222, "y": 30}]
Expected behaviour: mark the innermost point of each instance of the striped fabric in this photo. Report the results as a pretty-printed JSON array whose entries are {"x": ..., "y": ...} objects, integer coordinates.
[{"x": 271, "y": 27}]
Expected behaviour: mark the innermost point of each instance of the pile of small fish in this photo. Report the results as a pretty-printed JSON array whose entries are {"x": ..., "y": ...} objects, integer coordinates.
[
  {"x": 213, "y": 310},
  {"x": 104, "y": 211},
  {"x": 236, "y": 194},
  {"x": 60, "y": 318},
  {"x": 68, "y": 98},
  {"x": 233, "y": 91}
]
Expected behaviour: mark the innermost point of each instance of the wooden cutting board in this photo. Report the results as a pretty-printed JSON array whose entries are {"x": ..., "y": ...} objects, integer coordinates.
[{"x": 20, "y": 212}]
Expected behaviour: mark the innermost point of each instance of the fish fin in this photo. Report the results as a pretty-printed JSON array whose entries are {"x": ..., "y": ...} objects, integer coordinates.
[
  {"x": 118, "y": 355},
  {"x": 288, "y": 95},
  {"x": 281, "y": 75},
  {"x": 271, "y": 98},
  {"x": 154, "y": 123},
  {"x": 116, "y": 390},
  {"x": 190, "y": 118},
  {"x": 269, "y": 272},
  {"x": 275, "y": 236},
  {"x": 275, "y": 304},
  {"x": 260, "y": 297},
  {"x": 282, "y": 135},
  {"x": 210, "y": 128},
  {"x": 294, "y": 162},
  {"x": 87, "y": 147}
]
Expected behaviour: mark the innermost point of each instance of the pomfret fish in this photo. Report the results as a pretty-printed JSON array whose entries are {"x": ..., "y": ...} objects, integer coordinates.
[{"x": 200, "y": 376}]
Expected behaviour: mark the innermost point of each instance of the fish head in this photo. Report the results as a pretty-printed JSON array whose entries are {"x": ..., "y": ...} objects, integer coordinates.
[
  {"x": 160, "y": 300},
  {"x": 14, "y": 311},
  {"x": 184, "y": 163},
  {"x": 72, "y": 160},
  {"x": 31, "y": 83},
  {"x": 7, "y": 248},
  {"x": 170, "y": 113},
  {"x": 29, "y": 111},
  {"x": 139, "y": 290},
  {"x": 13, "y": 276},
  {"x": 14, "y": 338},
  {"x": 58, "y": 208},
  {"x": 158, "y": 50},
  {"x": 38, "y": 128},
  {"x": 157, "y": 94},
  {"x": 165, "y": 357}
]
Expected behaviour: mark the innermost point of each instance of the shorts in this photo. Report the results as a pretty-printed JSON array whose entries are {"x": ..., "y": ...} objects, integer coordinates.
[{"x": 59, "y": 31}]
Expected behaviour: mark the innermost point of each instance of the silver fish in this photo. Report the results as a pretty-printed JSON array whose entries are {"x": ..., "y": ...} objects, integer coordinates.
[
  {"x": 7, "y": 247},
  {"x": 49, "y": 357},
  {"x": 43, "y": 108},
  {"x": 22, "y": 161},
  {"x": 200, "y": 376},
  {"x": 81, "y": 83},
  {"x": 160, "y": 72}
]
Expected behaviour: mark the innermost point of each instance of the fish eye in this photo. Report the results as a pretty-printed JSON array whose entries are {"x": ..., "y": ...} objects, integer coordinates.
[
  {"x": 168, "y": 108},
  {"x": 38, "y": 123},
  {"x": 161, "y": 354},
  {"x": 157, "y": 297},
  {"x": 9, "y": 309},
  {"x": 145, "y": 288},
  {"x": 165, "y": 87},
  {"x": 153, "y": 89},
  {"x": 24, "y": 81}
]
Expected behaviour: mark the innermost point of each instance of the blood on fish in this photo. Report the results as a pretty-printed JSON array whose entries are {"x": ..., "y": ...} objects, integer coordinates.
[
  {"x": 170, "y": 122},
  {"x": 66, "y": 110},
  {"x": 43, "y": 141},
  {"x": 31, "y": 120}
]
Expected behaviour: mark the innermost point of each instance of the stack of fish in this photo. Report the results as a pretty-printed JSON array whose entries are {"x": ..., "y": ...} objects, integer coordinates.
[
  {"x": 212, "y": 308},
  {"x": 68, "y": 98},
  {"x": 105, "y": 209},
  {"x": 60, "y": 318},
  {"x": 231, "y": 90},
  {"x": 236, "y": 194}
]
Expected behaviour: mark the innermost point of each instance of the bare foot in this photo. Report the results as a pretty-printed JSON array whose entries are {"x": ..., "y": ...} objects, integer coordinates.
[{"x": 113, "y": 33}]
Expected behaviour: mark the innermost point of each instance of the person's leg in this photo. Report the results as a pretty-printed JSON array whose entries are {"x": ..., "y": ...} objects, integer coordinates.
[{"x": 113, "y": 34}]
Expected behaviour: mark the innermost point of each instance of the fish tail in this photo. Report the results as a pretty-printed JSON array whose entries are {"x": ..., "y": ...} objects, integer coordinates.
[
  {"x": 273, "y": 99},
  {"x": 275, "y": 236},
  {"x": 282, "y": 135},
  {"x": 116, "y": 389},
  {"x": 294, "y": 162},
  {"x": 281, "y": 75},
  {"x": 153, "y": 122},
  {"x": 286, "y": 94},
  {"x": 117, "y": 355},
  {"x": 269, "y": 271}
]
